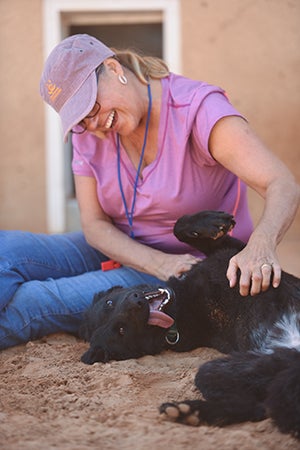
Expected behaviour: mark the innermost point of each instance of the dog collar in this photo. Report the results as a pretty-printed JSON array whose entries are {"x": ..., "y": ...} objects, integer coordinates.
[{"x": 172, "y": 336}]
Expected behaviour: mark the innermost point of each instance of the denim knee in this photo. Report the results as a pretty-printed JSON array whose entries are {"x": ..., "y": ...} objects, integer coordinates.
[
  {"x": 27, "y": 256},
  {"x": 37, "y": 309}
]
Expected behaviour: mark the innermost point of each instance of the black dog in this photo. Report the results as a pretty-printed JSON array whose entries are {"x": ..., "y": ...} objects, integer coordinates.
[{"x": 200, "y": 309}]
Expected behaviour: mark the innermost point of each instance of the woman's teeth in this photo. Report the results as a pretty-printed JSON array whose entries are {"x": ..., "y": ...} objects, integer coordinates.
[{"x": 110, "y": 120}]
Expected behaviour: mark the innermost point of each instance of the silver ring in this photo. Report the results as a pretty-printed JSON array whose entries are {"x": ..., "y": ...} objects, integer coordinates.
[{"x": 266, "y": 265}]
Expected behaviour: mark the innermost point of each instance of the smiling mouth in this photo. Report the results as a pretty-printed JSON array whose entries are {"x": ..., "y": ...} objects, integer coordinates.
[
  {"x": 157, "y": 301},
  {"x": 110, "y": 121}
]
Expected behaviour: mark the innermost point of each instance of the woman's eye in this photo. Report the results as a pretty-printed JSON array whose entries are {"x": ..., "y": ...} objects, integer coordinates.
[{"x": 121, "y": 331}]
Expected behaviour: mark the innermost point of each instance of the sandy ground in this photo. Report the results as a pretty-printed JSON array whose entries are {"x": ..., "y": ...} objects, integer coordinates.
[{"x": 50, "y": 400}]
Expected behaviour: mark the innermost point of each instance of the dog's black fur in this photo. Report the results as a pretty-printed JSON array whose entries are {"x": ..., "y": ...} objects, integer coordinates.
[{"x": 261, "y": 378}]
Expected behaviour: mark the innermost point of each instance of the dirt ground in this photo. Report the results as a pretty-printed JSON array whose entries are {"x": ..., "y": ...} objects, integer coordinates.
[{"x": 50, "y": 400}]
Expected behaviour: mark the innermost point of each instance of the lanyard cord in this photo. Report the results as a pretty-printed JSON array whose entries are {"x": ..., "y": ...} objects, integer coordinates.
[{"x": 129, "y": 214}]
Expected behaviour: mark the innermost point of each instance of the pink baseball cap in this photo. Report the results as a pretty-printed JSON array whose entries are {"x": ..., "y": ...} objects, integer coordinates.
[{"x": 69, "y": 82}]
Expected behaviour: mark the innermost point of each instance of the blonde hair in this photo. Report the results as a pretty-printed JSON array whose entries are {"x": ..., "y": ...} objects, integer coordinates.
[{"x": 144, "y": 67}]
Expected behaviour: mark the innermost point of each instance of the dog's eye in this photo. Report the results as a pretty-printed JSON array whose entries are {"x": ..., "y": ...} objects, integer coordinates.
[
  {"x": 121, "y": 331},
  {"x": 109, "y": 302}
]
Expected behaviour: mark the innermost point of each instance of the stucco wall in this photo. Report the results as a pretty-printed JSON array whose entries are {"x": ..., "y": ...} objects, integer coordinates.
[
  {"x": 249, "y": 47},
  {"x": 252, "y": 49},
  {"x": 22, "y": 168}
]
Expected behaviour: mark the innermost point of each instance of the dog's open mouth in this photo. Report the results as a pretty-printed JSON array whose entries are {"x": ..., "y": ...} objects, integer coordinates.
[{"x": 157, "y": 301}]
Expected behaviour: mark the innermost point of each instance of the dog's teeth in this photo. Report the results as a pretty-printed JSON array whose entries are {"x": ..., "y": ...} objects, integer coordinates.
[
  {"x": 152, "y": 295},
  {"x": 164, "y": 303},
  {"x": 162, "y": 295}
]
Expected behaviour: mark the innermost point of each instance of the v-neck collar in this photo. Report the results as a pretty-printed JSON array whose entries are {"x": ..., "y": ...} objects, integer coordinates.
[{"x": 125, "y": 160}]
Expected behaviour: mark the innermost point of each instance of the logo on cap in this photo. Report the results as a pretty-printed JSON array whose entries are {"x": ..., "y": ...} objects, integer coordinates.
[{"x": 53, "y": 90}]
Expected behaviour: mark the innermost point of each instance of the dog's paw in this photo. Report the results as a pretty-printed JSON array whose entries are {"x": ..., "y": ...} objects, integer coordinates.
[
  {"x": 204, "y": 225},
  {"x": 184, "y": 412},
  {"x": 222, "y": 225}
]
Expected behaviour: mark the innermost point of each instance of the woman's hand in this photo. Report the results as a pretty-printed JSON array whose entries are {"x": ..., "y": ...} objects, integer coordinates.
[
  {"x": 259, "y": 268},
  {"x": 174, "y": 265}
]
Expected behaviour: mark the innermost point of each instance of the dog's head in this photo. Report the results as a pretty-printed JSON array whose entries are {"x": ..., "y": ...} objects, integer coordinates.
[{"x": 125, "y": 323}]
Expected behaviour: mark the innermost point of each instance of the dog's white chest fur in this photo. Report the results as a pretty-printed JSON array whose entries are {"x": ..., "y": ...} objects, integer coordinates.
[{"x": 284, "y": 333}]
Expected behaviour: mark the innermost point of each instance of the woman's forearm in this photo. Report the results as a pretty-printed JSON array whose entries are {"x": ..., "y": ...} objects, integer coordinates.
[
  {"x": 105, "y": 237},
  {"x": 281, "y": 204}
]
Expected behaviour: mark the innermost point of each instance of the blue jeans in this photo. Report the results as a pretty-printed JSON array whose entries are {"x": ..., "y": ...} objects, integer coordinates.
[{"x": 48, "y": 281}]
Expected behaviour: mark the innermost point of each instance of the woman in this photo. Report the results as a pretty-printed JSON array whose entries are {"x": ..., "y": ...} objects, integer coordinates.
[{"x": 149, "y": 146}]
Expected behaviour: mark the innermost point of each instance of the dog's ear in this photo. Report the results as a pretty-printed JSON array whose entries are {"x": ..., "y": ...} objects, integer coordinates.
[
  {"x": 88, "y": 325},
  {"x": 84, "y": 331},
  {"x": 95, "y": 354}
]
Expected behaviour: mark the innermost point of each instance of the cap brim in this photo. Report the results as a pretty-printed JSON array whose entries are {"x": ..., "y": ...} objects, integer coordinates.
[{"x": 79, "y": 105}]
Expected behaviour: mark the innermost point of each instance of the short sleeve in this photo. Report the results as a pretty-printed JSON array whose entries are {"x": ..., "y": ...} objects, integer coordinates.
[
  {"x": 214, "y": 107},
  {"x": 80, "y": 165}
]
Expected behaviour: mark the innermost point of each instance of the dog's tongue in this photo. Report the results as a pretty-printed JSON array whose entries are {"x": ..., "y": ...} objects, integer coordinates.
[{"x": 160, "y": 319}]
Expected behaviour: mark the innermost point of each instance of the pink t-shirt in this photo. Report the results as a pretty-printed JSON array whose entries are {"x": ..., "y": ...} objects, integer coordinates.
[{"x": 183, "y": 179}]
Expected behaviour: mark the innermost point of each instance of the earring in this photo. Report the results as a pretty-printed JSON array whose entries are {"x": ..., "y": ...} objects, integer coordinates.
[{"x": 122, "y": 79}]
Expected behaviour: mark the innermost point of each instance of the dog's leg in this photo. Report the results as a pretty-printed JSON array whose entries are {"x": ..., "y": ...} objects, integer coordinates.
[
  {"x": 207, "y": 231},
  {"x": 234, "y": 389},
  {"x": 245, "y": 387},
  {"x": 220, "y": 413}
]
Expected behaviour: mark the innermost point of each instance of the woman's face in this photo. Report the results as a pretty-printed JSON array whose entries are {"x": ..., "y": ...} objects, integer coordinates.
[{"x": 119, "y": 107}]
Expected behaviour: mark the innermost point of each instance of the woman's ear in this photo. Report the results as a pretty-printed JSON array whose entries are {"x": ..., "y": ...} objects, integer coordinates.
[{"x": 113, "y": 65}]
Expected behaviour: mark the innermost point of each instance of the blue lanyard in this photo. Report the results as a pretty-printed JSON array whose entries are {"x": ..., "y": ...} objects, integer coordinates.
[{"x": 129, "y": 214}]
